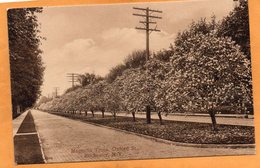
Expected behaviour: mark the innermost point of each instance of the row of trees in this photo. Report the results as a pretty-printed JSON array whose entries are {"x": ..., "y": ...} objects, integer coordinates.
[
  {"x": 25, "y": 57},
  {"x": 204, "y": 71}
]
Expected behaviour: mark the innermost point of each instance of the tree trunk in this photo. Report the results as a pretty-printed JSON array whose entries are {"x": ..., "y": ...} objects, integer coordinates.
[
  {"x": 103, "y": 114},
  {"x": 92, "y": 111},
  {"x": 160, "y": 117},
  {"x": 213, "y": 119},
  {"x": 114, "y": 115},
  {"x": 14, "y": 109},
  {"x": 22, "y": 109},
  {"x": 133, "y": 113},
  {"x": 86, "y": 113},
  {"x": 148, "y": 114}
]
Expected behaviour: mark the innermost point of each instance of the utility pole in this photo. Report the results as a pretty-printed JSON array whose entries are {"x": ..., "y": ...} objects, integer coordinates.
[
  {"x": 73, "y": 78},
  {"x": 56, "y": 91},
  {"x": 147, "y": 22}
]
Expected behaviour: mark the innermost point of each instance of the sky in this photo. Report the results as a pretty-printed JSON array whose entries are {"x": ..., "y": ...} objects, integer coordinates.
[{"x": 94, "y": 38}]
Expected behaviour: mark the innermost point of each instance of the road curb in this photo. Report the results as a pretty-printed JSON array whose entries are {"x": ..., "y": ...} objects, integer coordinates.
[
  {"x": 40, "y": 142},
  {"x": 233, "y": 146}
]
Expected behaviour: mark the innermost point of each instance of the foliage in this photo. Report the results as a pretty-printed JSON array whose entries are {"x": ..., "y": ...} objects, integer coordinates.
[
  {"x": 212, "y": 73},
  {"x": 136, "y": 59},
  {"x": 157, "y": 71},
  {"x": 133, "y": 90},
  {"x": 72, "y": 89},
  {"x": 88, "y": 78},
  {"x": 43, "y": 100},
  {"x": 164, "y": 55},
  {"x": 201, "y": 27},
  {"x": 115, "y": 72},
  {"x": 236, "y": 26},
  {"x": 112, "y": 99},
  {"x": 25, "y": 56}
]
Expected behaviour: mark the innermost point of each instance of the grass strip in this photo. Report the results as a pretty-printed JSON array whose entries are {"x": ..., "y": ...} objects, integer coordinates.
[{"x": 177, "y": 131}]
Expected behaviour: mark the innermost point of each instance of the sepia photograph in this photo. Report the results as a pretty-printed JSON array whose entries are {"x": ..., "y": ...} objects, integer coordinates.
[{"x": 131, "y": 81}]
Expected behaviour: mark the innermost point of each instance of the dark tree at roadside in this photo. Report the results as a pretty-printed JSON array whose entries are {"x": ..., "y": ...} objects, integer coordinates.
[
  {"x": 25, "y": 57},
  {"x": 88, "y": 78},
  {"x": 236, "y": 26},
  {"x": 136, "y": 59}
]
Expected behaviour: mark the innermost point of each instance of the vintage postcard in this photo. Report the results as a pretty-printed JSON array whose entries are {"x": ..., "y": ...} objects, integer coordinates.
[{"x": 131, "y": 81}]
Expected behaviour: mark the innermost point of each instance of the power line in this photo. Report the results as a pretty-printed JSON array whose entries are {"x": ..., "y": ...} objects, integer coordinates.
[
  {"x": 56, "y": 89},
  {"x": 149, "y": 17},
  {"x": 73, "y": 78},
  {"x": 151, "y": 10},
  {"x": 147, "y": 22}
]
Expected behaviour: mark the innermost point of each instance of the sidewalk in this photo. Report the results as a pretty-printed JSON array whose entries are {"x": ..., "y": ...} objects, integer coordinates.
[{"x": 18, "y": 121}]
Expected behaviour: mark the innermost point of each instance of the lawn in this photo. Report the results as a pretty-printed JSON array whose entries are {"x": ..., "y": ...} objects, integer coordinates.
[{"x": 177, "y": 131}]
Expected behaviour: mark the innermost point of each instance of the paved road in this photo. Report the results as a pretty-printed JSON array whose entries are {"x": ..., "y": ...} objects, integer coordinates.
[{"x": 67, "y": 140}]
